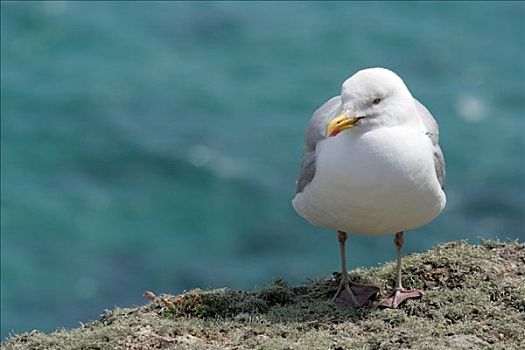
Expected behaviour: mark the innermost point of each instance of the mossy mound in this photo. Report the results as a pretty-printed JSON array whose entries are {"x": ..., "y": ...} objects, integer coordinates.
[{"x": 474, "y": 299}]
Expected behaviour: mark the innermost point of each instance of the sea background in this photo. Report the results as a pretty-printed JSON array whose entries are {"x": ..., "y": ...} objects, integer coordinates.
[{"x": 155, "y": 146}]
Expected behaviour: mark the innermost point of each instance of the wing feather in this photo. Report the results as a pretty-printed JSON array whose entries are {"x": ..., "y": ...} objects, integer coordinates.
[
  {"x": 315, "y": 134},
  {"x": 432, "y": 131}
]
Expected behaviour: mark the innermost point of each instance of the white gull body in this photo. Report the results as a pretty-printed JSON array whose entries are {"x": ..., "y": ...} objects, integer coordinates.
[{"x": 380, "y": 176}]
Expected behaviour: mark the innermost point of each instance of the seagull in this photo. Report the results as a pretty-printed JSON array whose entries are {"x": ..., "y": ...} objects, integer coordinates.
[{"x": 371, "y": 165}]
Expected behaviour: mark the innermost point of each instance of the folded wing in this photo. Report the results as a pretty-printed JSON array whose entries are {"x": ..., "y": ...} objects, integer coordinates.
[
  {"x": 315, "y": 134},
  {"x": 432, "y": 131}
]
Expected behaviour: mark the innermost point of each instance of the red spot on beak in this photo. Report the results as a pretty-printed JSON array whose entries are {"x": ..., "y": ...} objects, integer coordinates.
[{"x": 335, "y": 132}]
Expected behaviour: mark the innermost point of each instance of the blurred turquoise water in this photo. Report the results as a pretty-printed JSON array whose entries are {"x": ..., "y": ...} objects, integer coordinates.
[{"x": 156, "y": 145}]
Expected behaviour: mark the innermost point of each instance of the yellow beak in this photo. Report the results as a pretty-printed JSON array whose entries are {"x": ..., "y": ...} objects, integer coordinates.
[{"x": 340, "y": 123}]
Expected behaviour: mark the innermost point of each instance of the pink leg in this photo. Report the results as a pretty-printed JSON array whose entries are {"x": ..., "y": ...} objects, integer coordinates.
[
  {"x": 399, "y": 294},
  {"x": 351, "y": 293}
]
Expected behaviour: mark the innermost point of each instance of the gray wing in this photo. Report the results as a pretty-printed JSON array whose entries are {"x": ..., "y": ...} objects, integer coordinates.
[
  {"x": 314, "y": 134},
  {"x": 432, "y": 131}
]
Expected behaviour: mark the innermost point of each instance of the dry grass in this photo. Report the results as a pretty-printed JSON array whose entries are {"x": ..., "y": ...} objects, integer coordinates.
[{"x": 474, "y": 299}]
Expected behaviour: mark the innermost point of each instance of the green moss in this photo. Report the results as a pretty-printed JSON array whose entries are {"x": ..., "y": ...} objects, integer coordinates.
[{"x": 474, "y": 298}]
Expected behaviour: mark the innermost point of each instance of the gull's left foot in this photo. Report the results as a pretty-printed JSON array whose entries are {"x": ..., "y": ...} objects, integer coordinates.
[{"x": 399, "y": 296}]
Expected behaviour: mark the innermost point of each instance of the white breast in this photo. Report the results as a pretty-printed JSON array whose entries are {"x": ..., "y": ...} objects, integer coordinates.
[{"x": 379, "y": 182}]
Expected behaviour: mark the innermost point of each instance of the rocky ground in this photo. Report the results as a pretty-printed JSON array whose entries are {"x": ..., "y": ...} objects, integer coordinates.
[{"x": 474, "y": 299}]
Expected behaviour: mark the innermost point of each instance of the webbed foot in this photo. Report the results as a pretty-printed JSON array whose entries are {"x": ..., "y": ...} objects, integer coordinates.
[
  {"x": 399, "y": 296},
  {"x": 354, "y": 294}
]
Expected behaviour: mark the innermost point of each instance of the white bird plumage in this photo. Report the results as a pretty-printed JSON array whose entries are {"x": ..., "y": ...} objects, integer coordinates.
[
  {"x": 372, "y": 164},
  {"x": 378, "y": 177}
]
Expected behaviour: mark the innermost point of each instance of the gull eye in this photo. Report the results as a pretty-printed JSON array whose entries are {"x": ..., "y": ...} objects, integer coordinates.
[{"x": 376, "y": 101}]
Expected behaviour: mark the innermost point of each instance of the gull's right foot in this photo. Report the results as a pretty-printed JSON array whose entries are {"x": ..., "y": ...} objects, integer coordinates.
[{"x": 353, "y": 294}]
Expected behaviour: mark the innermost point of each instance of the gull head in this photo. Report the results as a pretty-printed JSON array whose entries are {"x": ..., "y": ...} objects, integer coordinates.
[{"x": 372, "y": 98}]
